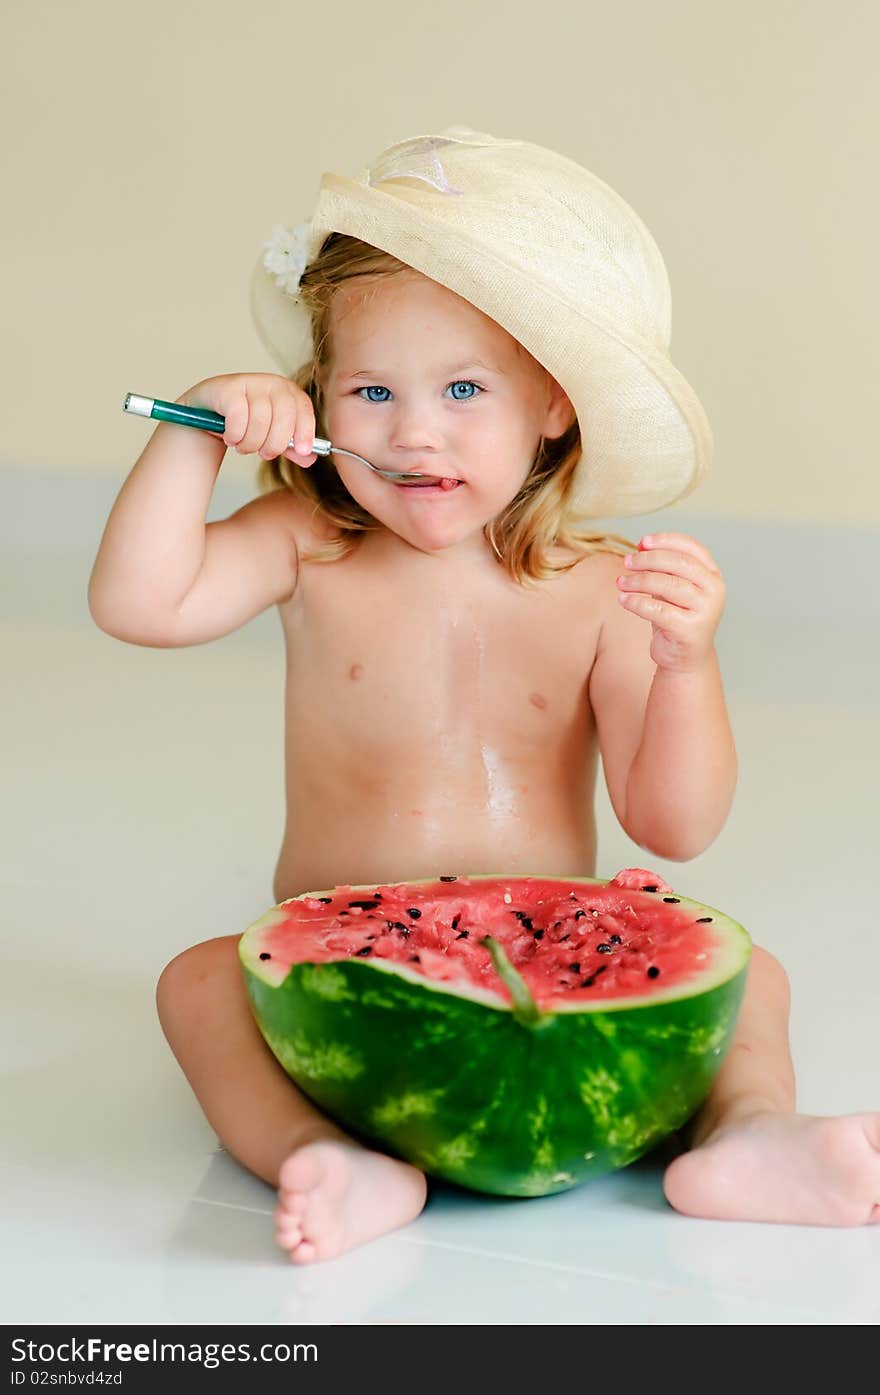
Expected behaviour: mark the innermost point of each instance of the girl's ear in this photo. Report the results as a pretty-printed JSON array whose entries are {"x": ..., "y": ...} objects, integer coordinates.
[{"x": 560, "y": 413}]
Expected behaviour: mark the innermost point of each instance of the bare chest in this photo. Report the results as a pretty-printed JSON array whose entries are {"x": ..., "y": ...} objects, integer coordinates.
[{"x": 413, "y": 664}]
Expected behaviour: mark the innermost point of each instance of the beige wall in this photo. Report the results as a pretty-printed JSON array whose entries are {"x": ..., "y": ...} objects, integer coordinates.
[{"x": 151, "y": 148}]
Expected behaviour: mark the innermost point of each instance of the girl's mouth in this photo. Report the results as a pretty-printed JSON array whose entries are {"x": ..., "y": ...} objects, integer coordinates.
[{"x": 435, "y": 483}]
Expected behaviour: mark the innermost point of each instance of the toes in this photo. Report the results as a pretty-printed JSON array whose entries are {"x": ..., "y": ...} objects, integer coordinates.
[
  {"x": 292, "y": 1204},
  {"x": 299, "y": 1249},
  {"x": 289, "y": 1219},
  {"x": 678, "y": 1186},
  {"x": 313, "y": 1184},
  {"x": 287, "y": 1225}
]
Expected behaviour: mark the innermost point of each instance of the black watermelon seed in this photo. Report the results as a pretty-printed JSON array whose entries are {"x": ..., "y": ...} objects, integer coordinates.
[
  {"x": 653, "y": 972},
  {"x": 449, "y": 879},
  {"x": 588, "y": 982},
  {"x": 574, "y": 968},
  {"x": 580, "y": 915},
  {"x": 705, "y": 920},
  {"x": 325, "y": 900},
  {"x": 414, "y": 959},
  {"x": 672, "y": 900},
  {"x": 524, "y": 920},
  {"x": 538, "y": 934},
  {"x": 367, "y": 949},
  {"x": 364, "y": 905},
  {"x": 604, "y": 949},
  {"x": 615, "y": 940},
  {"x": 563, "y": 938},
  {"x": 455, "y": 920},
  {"x": 343, "y": 912},
  {"x": 462, "y": 935},
  {"x": 416, "y": 915},
  {"x": 265, "y": 956},
  {"x": 649, "y": 888}
]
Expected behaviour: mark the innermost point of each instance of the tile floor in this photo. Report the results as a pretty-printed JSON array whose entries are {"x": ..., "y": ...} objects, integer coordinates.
[{"x": 142, "y": 812}]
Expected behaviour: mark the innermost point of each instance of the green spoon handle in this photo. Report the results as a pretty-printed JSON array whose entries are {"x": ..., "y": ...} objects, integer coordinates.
[{"x": 200, "y": 417}]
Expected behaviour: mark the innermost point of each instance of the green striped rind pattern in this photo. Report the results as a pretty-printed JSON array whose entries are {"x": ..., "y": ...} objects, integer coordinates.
[{"x": 466, "y": 1093}]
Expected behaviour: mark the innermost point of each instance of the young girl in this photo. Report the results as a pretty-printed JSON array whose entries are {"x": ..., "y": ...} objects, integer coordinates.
[{"x": 491, "y": 317}]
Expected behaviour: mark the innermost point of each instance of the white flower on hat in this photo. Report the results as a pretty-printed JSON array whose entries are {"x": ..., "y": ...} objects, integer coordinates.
[{"x": 286, "y": 255}]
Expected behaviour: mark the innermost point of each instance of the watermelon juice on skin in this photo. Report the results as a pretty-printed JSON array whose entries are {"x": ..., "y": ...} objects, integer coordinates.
[{"x": 515, "y": 1035}]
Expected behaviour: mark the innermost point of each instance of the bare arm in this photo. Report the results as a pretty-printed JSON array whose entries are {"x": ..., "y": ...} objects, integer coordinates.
[
  {"x": 165, "y": 577},
  {"x": 666, "y": 742}
]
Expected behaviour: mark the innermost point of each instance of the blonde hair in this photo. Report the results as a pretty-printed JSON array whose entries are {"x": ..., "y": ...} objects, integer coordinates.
[{"x": 522, "y": 537}]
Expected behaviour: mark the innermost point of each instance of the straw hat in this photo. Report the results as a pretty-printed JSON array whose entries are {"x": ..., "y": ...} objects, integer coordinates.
[{"x": 551, "y": 254}]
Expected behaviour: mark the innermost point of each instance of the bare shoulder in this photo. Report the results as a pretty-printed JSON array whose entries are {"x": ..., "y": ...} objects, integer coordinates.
[
  {"x": 592, "y": 575},
  {"x": 621, "y": 639},
  {"x": 285, "y": 512},
  {"x": 282, "y": 524},
  {"x": 584, "y": 600}
]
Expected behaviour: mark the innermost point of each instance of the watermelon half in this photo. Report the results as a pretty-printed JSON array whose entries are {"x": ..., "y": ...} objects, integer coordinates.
[{"x": 515, "y": 1035}]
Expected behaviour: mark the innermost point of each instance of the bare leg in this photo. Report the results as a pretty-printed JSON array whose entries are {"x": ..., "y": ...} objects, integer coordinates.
[
  {"x": 333, "y": 1193},
  {"x": 753, "y": 1158}
]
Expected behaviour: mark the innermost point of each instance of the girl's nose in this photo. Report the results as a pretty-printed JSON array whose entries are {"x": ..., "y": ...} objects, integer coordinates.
[{"x": 413, "y": 428}]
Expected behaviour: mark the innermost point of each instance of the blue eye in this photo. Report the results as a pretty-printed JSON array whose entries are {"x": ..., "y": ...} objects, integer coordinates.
[{"x": 460, "y": 391}]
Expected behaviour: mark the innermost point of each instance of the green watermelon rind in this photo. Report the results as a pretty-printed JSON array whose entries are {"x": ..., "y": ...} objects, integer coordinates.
[{"x": 522, "y": 1112}]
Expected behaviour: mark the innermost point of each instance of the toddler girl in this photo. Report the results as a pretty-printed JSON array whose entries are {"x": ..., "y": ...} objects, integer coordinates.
[{"x": 462, "y": 648}]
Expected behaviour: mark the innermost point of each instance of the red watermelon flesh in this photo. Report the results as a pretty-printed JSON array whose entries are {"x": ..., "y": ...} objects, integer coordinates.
[{"x": 571, "y": 944}]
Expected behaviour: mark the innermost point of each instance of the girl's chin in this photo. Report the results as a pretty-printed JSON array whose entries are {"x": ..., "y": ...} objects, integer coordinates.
[{"x": 432, "y": 537}]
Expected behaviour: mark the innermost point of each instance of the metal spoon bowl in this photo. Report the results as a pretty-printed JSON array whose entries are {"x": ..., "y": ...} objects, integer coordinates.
[{"x": 322, "y": 447}]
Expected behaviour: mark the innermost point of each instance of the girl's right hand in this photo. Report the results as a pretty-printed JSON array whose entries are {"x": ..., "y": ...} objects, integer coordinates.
[{"x": 264, "y": 413}]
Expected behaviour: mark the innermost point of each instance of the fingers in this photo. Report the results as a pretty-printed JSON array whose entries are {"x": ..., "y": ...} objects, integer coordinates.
[
  {"x": 673, "y": 582},
  {"x": 265, "y": 414},
  {"x": 673, "y": 567},
  {"x": 673, "y": 590},
  {"x": 688, "y": 625},
  {"x": 679, "y": 543},
  {"x": 258, "y": 421}
]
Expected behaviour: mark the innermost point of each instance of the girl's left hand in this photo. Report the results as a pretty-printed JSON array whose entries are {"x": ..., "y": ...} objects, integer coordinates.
[{"x": 673, "y": 582}]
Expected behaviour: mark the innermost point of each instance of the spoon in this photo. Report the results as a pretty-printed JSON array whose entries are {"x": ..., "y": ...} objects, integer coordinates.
[{"x": 207, "y": 420}]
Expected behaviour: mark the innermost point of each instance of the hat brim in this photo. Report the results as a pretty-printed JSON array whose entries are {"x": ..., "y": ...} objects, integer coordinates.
[{"x": 646, "y": 438}]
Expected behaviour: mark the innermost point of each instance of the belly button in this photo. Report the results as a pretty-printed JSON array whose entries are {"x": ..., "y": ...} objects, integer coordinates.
[
  {"x": 538, "y": 700},
  {"x": 356, "y": 671}
]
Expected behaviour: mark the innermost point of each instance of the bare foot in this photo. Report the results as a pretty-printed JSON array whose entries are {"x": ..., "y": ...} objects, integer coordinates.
[
  {"x": 795, "y": 1169},
  {"x": 333, "y": 1196}
]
